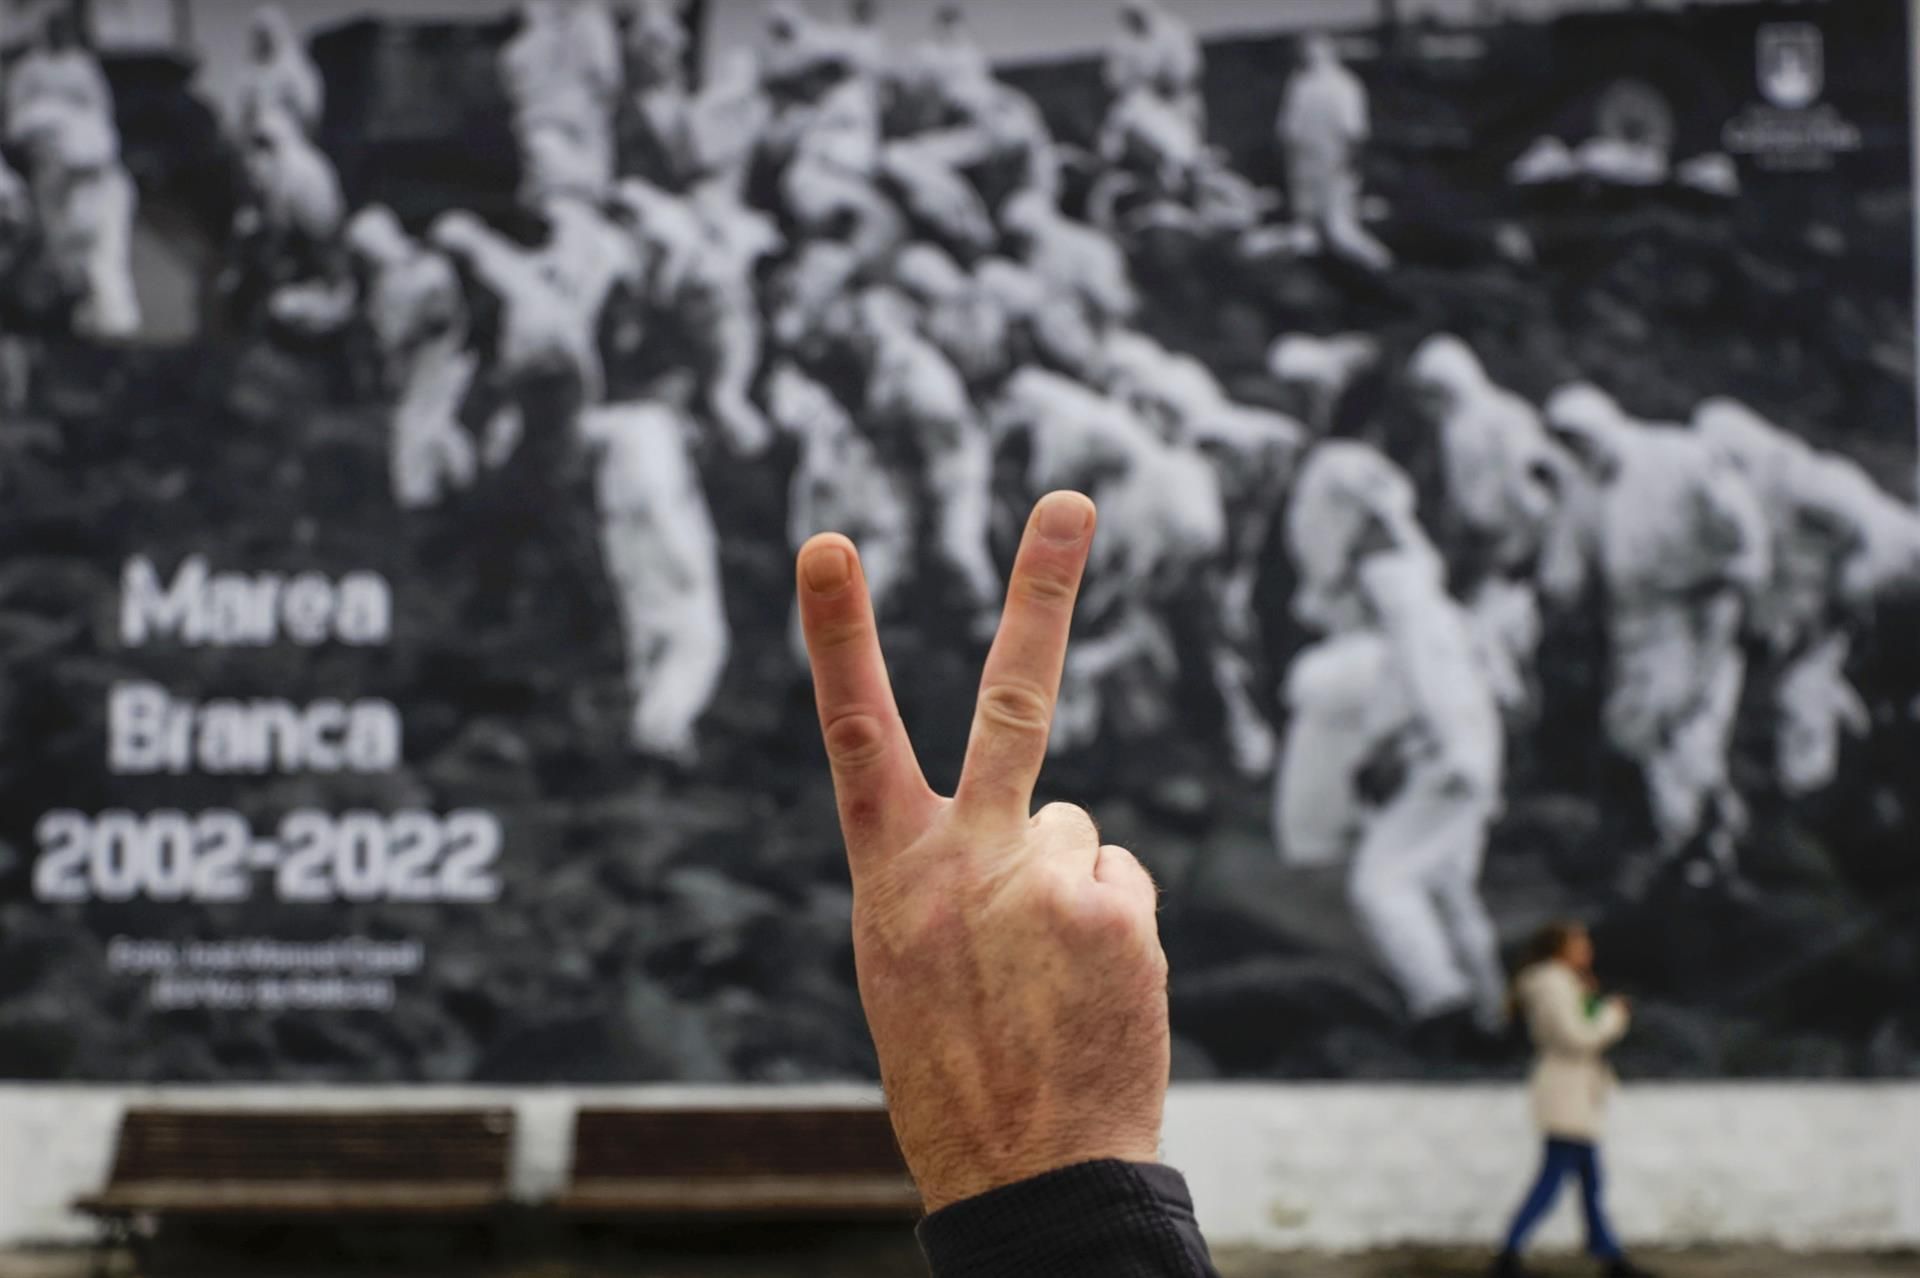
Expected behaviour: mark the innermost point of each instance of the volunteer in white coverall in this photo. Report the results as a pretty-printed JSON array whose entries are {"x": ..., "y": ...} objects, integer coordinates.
[
  {"x": 656, "y": 45},
  {"x": 949, "y": 63},
  {"x": 1157, "y": 54},
  {"x": 948, "y": 102},
  {"x": 661, "y": 140},
  {"x": 663, "y": 557},
  {"x": 1147, "y": 144},
  {"x": 413, "y": 304},
  {"x": 60, "y": 73},
  {"x": 16, "y": 244},
  {"x": 1071, "y": 258},
  {"x": 1166, "y": 531},
  {"x": 1395, "y": 753},
  {"x": 60, "y": 113},
  {"x": 85, "y": 203},
  {"x": 840, "y": 485},
  {"x": 938, "y": 195},
  {"x": 1324, "y": 123},
  {"x": 1253, "y": 452},
  {"x": 588, "y": 255},
  {"x": 793, "y": 44},
  {"x": 1681, "y": 545},
  {"x": 279, "y": 75},
  {"x": 1047, "y": 326},
  {"x": 958, "y": 314},
  {"x": 728, "y": 120},
  {"x": 1505, "y": 480},
  {"x": 698, "y": 261},
  {"x": 546, "y": 341},
  {"x": 861, "y": 35},
  {"x": 829, "y": 134},
  {"x": 1318, "y": 371},
  {"x": 295, "y": 206},
  {"x": 1838, "y": 542},
  {"x": 1887, "y": 557},
  {"x": 1167, "y": 538},
  {"x": 830, "y": 191},
  {"x": 1022, "y": 154},
  {"x": 563, "y": 75},
  {"x": 1075, "y": 436},
  {"x": 919, "y": 412}
]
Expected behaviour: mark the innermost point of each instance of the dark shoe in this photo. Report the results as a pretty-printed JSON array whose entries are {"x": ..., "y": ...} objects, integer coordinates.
[
  {"x": 1509, "y": 1266},
  {"x": 1624, "y": 1268}
]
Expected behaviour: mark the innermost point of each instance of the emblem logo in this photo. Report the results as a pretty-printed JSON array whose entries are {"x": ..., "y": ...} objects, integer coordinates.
[{"x": 1793, "y": 67}]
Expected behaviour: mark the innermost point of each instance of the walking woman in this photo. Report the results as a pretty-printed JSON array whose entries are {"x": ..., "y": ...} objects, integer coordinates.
[{"x": 1572, "y": 1027}]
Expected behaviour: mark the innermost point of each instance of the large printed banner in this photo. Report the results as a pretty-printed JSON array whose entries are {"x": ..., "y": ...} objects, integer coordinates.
[{"x": 1504, "y": 430}]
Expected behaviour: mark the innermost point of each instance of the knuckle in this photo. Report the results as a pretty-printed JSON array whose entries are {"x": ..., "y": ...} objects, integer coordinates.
[
  {"x": 833, "y": 634},
  {"x": 1016, "y": 705},
  {"x": 1111, "y": 919},
  {"x": 1048, "y": 587},
  {"x": 1065, "y": 816},
  {"x": 1121, "y": 867},
  {"x": 855, "y": 741},
  {"x": 1062, "y": 900}
]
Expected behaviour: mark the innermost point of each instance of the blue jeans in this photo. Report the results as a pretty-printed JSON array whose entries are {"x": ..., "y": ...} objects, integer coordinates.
[{"x": 1565, "y": 1156}]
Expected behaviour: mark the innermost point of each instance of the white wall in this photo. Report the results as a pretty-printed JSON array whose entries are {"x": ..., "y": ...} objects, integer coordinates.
[
  {"x": 1344, "y": 1168},
  {"x": 1327, "y": 1167}
]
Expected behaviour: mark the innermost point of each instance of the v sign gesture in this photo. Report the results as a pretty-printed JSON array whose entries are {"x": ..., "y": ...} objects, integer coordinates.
[{"x": 1009, "y": 964}]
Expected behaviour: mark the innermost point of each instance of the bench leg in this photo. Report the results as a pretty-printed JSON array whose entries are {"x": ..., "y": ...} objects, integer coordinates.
[
  {"x": 114, "y": 1235},
  {"x": 140, "y": 1248}
]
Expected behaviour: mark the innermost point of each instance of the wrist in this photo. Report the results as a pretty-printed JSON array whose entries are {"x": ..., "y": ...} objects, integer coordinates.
[{"x": 959, "y": 1177}]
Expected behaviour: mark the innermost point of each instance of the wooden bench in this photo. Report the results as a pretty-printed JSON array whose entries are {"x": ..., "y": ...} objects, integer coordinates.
[
  {"x": 205, "y": 1164},
  {"x": 759, "y": 1164}
]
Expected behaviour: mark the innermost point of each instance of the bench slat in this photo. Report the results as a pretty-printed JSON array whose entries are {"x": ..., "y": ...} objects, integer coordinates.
[
  {"x": 734, "y": 1144},
  {"x": 212, "y": 1162},
  {"x": 218, "y": 1198},
  {"x": 883, "y": 1197}
]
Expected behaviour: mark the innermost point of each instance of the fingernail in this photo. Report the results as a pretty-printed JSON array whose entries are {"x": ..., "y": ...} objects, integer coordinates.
[
  {"x": 1065, "y": 517},
  {"x": 826, "y": 569}
]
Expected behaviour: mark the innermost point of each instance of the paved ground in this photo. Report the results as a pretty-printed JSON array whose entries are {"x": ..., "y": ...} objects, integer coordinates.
[{"x": 870, "y": 1256}]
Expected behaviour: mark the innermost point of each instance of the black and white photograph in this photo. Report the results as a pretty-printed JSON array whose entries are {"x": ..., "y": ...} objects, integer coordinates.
[{"x": 1501, "y": 418}]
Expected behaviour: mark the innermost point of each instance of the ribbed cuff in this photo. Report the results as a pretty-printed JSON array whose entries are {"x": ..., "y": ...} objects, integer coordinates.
[{"x": 1074, "y": 1221}]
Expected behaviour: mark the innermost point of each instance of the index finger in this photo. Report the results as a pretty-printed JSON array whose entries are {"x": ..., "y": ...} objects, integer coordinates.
[
  {"x": 885, "y": 802},
  {"x": 1014, "y": 715}
]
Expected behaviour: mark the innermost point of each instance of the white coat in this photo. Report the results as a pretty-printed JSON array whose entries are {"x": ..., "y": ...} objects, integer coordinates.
[{"x": 1571, "y": 1080}]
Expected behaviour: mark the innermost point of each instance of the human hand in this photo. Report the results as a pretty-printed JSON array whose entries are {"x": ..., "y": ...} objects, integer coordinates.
[{"x": 1009, "y": 964}]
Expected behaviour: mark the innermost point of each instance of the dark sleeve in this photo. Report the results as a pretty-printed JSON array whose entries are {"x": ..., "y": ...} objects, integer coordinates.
[{"x": 1097, "y": 1220}]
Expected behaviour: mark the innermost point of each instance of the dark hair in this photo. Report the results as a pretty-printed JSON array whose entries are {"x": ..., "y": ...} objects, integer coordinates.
[
  {"x": 1544, "y": 946},
  {"x": 1550, "y": 942}
]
